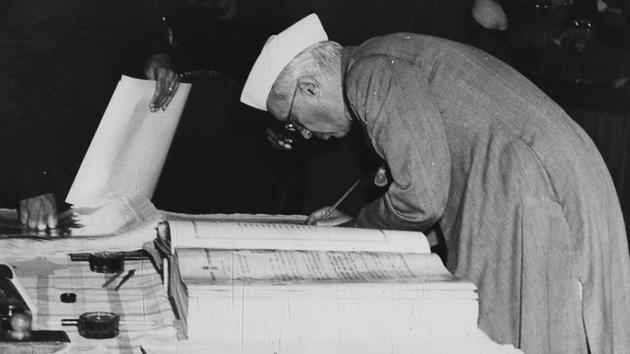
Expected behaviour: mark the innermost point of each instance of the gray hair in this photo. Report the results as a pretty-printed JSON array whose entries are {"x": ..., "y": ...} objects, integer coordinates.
[{"x": 320, "y": 58}]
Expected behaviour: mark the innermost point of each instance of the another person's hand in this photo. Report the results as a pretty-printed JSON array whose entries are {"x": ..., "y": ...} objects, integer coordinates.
[
  {"x": 39, "y": 212},
  {"x": 279, "y": 140},
  {"x": 327, "y": 216},
  {"x": 161, "y": 69}
]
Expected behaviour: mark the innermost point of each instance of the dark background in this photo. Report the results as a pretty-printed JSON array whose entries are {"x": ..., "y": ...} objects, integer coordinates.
[
  {"x": 316, "y": 174},
  {"x": 220, "y": 160}
]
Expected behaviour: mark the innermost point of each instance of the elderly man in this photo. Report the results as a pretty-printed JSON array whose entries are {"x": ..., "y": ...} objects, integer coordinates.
[{"x": 525, "y": 202}]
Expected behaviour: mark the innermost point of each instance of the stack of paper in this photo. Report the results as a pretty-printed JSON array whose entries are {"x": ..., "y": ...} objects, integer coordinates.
[
  {"x": 279, "y": 288},
  {"x": 321, "y": 296}
]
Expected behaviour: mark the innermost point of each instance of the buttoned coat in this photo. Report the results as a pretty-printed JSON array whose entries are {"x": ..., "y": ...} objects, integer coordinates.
[{"x": 526, "y": 204}]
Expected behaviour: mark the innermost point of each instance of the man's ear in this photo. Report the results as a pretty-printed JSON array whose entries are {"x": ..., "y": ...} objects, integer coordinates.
[{"x": 309, "y": 86}]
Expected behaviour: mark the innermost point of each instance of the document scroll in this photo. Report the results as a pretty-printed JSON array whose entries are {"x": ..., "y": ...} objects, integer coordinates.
[{"x": 129, "y": 148}]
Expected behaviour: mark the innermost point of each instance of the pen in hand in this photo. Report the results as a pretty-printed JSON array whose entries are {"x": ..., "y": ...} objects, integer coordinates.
[{"x": 343, "y": 197}]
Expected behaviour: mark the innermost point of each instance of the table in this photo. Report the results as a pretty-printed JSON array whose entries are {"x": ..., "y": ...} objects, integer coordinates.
[{"x": 141, "y": 300}]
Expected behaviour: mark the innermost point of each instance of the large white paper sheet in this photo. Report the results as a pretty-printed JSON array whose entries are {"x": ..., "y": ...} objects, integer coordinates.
[{"x": 129, "y": 148}]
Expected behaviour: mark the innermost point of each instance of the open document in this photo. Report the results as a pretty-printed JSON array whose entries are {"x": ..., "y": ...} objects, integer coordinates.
[
  {"x": 129, "y": 148},
  {"x": 199, "y": 233},
  {"x": 281, "y": 287}
]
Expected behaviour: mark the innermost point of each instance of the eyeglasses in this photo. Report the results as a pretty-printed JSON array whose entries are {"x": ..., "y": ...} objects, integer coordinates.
[{"x": 294, "y": 126}]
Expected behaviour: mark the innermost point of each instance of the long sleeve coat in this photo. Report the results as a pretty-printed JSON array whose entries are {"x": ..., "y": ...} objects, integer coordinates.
[{"x": 525, "y": 202}]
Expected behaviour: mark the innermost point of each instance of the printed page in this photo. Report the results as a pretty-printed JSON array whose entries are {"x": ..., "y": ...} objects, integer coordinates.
[
  {"x": 293, "y": 219},
  {"x": 205, "y": 266},
  {"x": 129, "y": 148},
  {"x": 247, "y": 235}
]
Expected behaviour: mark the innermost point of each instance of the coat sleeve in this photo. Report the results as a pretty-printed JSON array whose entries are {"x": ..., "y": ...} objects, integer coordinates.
[{"x": 393, "y": 99}]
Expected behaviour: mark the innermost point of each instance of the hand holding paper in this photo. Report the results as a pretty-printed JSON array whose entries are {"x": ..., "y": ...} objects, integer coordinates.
[{"x": 161, "y": 69}]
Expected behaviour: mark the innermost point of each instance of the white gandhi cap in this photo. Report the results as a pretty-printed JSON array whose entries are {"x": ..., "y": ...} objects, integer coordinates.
[{"x": 279, "y": 50}]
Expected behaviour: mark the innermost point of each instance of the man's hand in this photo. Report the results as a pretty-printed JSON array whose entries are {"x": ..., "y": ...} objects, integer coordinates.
[
  {"x": 161, "y": 69},
  {"x": 39, "y": 212},
  {"x": 327, "y": 216}
]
